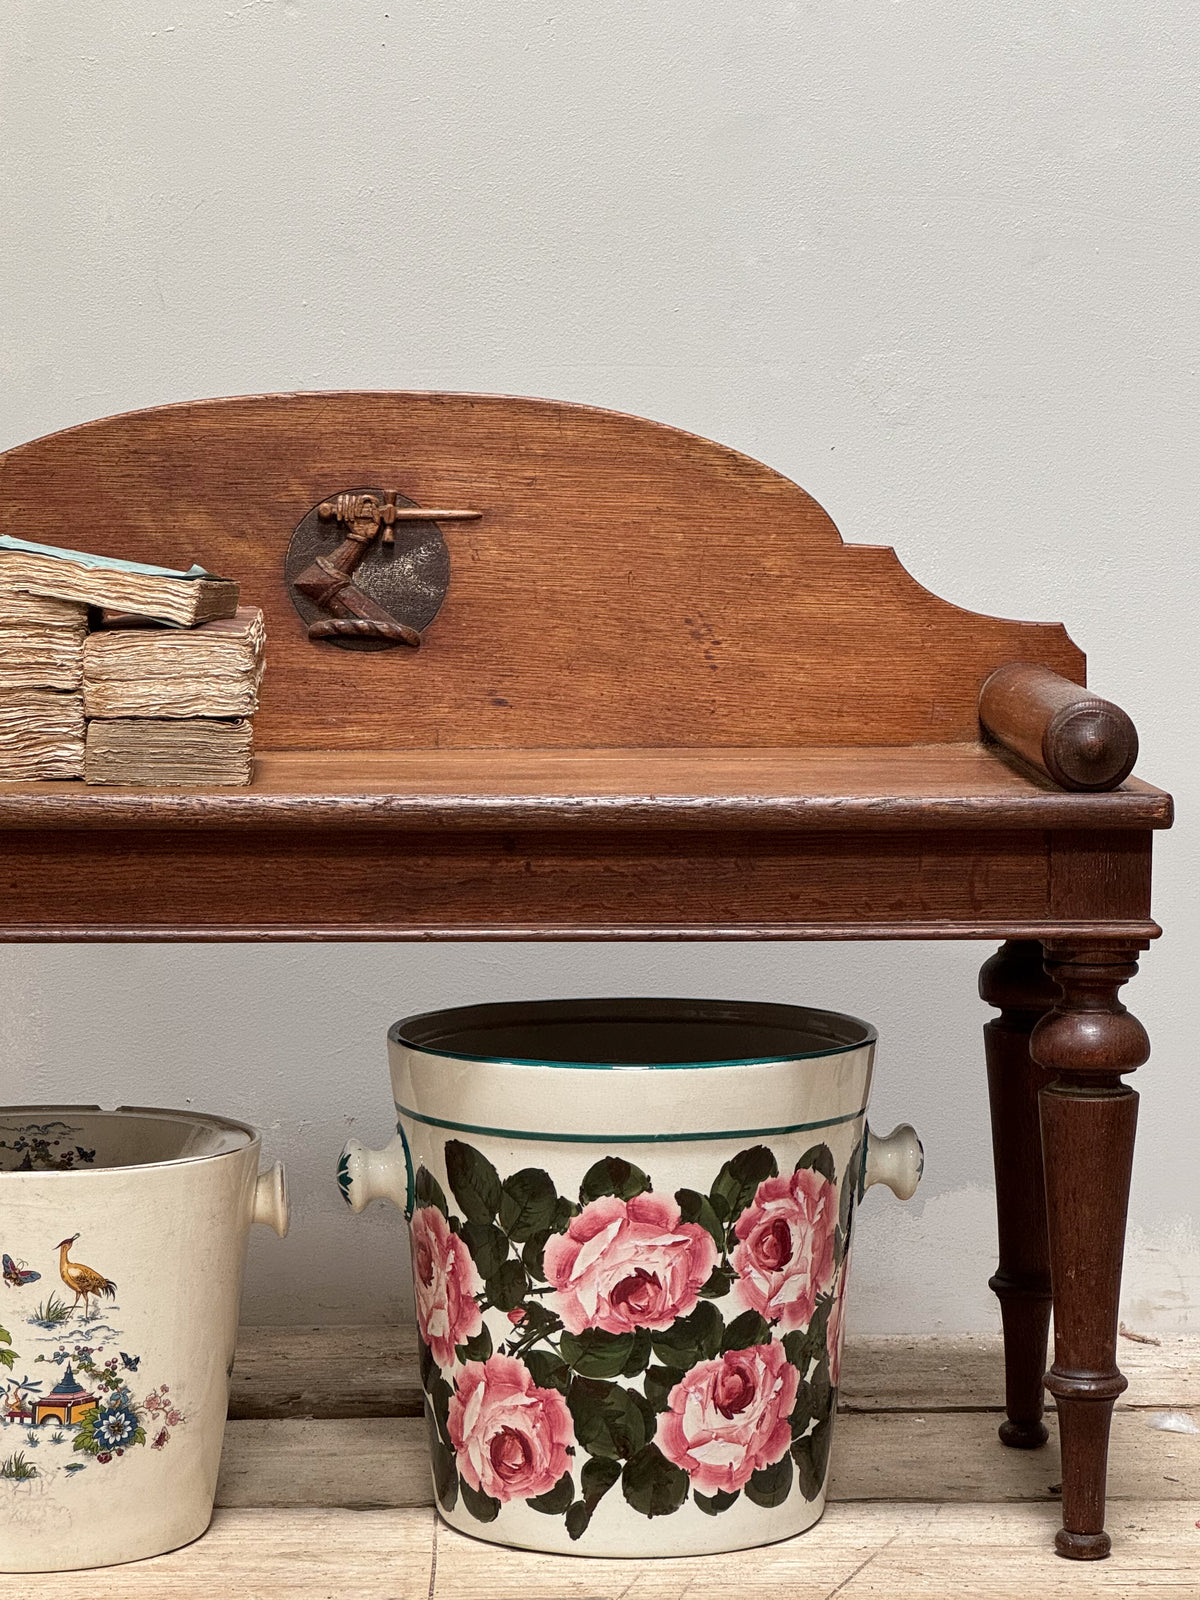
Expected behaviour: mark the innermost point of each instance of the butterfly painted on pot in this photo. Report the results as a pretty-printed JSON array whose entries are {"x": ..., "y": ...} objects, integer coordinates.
[
  {"x": 17, "y": 1274},
  {"x": 130, "y": 1363}
]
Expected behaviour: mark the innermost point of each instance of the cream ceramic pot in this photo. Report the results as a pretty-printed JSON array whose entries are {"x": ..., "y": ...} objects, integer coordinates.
[
  {"x": 124, "y": 1237},
  {"x": 631, "y": 1226}
]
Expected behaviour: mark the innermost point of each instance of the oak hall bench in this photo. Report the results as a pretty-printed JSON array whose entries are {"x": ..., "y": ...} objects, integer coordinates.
[{"x": 656, "y": 698}]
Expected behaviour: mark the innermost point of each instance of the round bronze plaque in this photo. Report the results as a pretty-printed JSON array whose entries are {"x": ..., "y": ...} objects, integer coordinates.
[{"x": 408, "y": 579}]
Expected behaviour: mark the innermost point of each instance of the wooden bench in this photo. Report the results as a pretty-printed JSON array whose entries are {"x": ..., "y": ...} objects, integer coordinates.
[{"x": 661, "y": 700}]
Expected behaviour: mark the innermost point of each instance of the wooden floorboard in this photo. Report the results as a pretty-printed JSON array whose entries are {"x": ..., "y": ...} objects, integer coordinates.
[
  {"x": 324, "y": 1495},
  {"x": 372, "y": 1371},
  {"x": 856, "y": 1552},
  {"x": 371, "y": 1462}
]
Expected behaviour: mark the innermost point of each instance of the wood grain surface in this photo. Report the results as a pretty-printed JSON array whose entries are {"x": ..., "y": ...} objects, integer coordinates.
[
  {"x": 370, "y": 1370},
  {"x": 951, "y": 1458},
  {"x": 344, "y": 1522},
  {"x": 856, "y": 1552},
  {"x": 366, "y": 883},
  {"x": 626, "y": 585},
  {"x": 818, "y": 789}
]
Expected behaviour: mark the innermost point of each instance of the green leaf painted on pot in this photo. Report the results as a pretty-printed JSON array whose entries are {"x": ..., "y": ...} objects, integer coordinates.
[
  {"x": 557, "y": 1500},
  {"x": 474, "y": 1182},
  {"x": 811, "y": 1456},
  {"x": 649, "y": 1415},
  {"x": 744, "y": 1331},
  {"x": 426, "y": 1363},
  {"x": 612, "y": 1175},
  {"x": 803, "y": 1346},
  {"x": 533, "y": 1253},
  {"x": 427, "y": 1191},
  {"x": 481, "y": 1506},
  {"x": 507, "y": 1286},
  {"x": 596, "y": 1354},
  {"x": 596, "y": 1479},
  {"x": 713, "y": 1504},
  {"x": 820, "y": 1390},
  {"x": 343, "y": 1176},
  {"x": 801, "y": 1414},
  {"x": 564, "y": 1210},
  {"x": 849, "y": 1194},
  {"x": 770, "y": 1486},
  {"x": 653, "y": 1485},
  {"x": 608, "y": 1421},
  {"x": 658, "y": 1383},
  {"x": 528, "y": 1201},
  {"x": 488, "y": 1246},
  {"x": 690, "y": 1339},
  {"x": 444, "y": 1464},
  {"x": 639, "y": 1355},
  {"x": 820, "y": 1159},
  {"x": 578, "y": 1517},
  {"x": 695, "y": 1207},
  {"x": 718, "y": 1283},
  {"x": 477, "y": 1349},
  {"x": 735, "y": 1185},
  {"x": 548, "y": 1371},
  {"x": 438, "y": 1393}
]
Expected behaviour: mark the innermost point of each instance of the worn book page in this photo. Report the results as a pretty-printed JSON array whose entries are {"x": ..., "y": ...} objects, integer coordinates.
[
  {"x": 41, "y": 656},
  {"x": 172, "y": 697},
  {"x": 41, "y": 734},
  {"x": 230, "y": 647},
  {"x": 165, "y": 752}
]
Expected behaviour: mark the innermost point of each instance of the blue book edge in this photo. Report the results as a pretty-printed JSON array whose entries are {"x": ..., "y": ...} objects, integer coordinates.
[{"x": 26, "y": 547}]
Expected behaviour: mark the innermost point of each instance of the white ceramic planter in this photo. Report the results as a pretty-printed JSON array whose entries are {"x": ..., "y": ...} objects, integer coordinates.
[
  {"x": 631, "y": 1225},
  {"x": 124, "y": 1237}
]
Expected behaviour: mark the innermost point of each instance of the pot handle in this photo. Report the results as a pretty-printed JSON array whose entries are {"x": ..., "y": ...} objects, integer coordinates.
[
  {"x": 897, "y": 1160},
  {"x": 271, "y": 1199},
  {"x": 364, "y": 1175}
]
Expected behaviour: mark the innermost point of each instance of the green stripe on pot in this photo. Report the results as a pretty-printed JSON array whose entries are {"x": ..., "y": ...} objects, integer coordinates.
[{"x": 628, "y": 1138}]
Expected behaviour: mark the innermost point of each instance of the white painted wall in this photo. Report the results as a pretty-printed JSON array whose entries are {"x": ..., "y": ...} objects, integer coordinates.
[{"x": 935, "y": 261}]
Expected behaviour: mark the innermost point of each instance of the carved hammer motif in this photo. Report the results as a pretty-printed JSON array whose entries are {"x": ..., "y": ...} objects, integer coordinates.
[{"x": 329, "y": 580}]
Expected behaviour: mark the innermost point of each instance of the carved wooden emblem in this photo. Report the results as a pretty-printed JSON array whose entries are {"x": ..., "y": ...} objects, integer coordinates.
[{"x": 368, "y": 569}]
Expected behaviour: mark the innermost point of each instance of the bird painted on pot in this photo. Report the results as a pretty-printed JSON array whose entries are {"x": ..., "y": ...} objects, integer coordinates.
[{"x": 82, "y": 1281}]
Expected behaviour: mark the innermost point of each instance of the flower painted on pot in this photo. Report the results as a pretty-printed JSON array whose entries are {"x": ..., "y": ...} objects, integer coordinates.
[
  {"x": 626, "y": 1264},
  {"x": 115, "y": 1426},
  {"x": 445, "y": 1281},
  {"x": 729, "y": 1417},
  {"x": 784, "y": 1253},
  {"x": 511, "y": 1438}
]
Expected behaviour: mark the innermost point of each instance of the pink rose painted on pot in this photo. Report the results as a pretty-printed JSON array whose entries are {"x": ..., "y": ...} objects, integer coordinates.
[
  {"x": 445, "y": 1281},
  {"x": 625, "y": 1264},
  {"x": 784, "y": 1254},
  {"x": 511, "y": 1438},
  {"x": 728, "y": 1417}
]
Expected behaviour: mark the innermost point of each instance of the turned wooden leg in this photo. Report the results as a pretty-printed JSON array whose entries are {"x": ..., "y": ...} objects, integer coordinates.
[
  {"x": 1015, "y": 980},
  {"x": 1088, "y": 1119}
]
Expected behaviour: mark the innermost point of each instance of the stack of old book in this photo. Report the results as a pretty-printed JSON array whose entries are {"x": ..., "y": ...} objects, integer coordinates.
[
  {"x": 158, "y": 689},
  {"x": 41, "y": 684}
]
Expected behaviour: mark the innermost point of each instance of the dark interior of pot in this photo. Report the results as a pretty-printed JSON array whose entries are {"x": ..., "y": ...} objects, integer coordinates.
[
  {"x": 87, "y": 1139},
  {"x": 633, "y": 1032}
]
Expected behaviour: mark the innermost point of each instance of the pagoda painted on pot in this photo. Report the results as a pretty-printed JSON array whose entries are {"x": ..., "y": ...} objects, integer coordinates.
[{"x": 67, "y": 1403}]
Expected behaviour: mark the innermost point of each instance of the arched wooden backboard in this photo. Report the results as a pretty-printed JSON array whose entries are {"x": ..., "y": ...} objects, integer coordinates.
[{"x": 626, "y": 585}]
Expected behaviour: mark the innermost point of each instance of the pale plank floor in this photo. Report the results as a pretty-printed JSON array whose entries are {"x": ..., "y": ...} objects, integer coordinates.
[{"x": 324, "y": 1495}]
